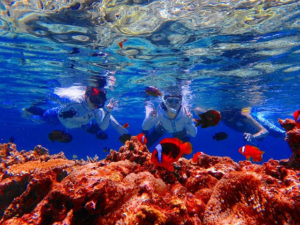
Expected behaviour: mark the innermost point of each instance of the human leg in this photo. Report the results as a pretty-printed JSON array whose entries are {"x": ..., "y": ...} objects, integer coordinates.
[
  {"x": 182, "y": 136},
  {"x": 153, "y": 136}
]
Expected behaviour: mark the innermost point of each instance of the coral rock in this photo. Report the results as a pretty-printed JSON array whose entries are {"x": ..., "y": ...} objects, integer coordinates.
[
  {"x": 126, "y": 188},
  {"x": 293, "y": 139}
]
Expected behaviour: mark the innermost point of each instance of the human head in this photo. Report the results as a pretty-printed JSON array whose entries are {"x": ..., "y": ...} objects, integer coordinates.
[
  {"x": 172, "y": 99},
  {"x": 95, "y": 97}
]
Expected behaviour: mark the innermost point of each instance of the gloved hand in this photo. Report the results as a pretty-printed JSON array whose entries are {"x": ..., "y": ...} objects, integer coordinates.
[
  {"x": 101, "y": 135},
  {"x": 123, "y": 138},
  {"x": 67, "y": 114}
]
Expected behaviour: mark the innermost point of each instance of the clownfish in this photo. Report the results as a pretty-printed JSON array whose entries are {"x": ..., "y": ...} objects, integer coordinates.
[
  {"x": 169, "y": 150},
  {"x": 121, "y": 43},
  {"x": 152, "y": 91},
  {"x": 297, "y": 118},
  {"x": 208, "y": 119},
  {"x": 125, "y": 125},
  {"x": 253, "y": 152},
  {"x": 142, "y": 138}
]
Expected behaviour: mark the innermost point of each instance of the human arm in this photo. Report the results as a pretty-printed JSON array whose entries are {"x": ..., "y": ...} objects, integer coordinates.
[
  {"x": 107, "y": 114},
  {"x": 117, "y": 126},
  {"x": 190, "y": 127},
  {"x": 261, "y": 131},
  {"x": 151, "y": 117}
]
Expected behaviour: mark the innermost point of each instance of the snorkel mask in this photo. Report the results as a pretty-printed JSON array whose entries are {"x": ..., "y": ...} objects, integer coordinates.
[{"x": 172, "y": 103}]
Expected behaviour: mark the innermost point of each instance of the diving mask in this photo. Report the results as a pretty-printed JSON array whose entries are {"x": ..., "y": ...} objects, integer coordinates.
[{"x": 172, "y": 103}]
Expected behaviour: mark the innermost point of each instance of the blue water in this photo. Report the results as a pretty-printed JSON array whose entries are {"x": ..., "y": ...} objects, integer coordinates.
[{"x": 234, "y": 55}]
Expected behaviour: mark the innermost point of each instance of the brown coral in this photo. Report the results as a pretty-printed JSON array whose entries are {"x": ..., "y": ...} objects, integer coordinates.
[
  {"x": 293, "y": 139},
  {"x": 126, "y": 188}
]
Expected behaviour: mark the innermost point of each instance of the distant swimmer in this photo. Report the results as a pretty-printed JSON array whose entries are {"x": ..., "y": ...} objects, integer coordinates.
[
  {"x": 88, "y": 112},
  {"x": 237, "y": 119}
]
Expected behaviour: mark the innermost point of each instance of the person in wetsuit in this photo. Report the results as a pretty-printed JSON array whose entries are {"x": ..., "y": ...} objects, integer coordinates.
[
  {"x": 170, "y": 117},
  {"x": 241, "y": 120},
  {"x": 89, "y": 113}
]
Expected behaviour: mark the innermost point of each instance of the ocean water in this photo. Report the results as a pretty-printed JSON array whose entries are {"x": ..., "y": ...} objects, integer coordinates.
[{"x": 229, "y": 54}]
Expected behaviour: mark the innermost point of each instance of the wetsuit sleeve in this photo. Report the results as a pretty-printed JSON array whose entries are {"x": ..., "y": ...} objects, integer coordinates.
[
  {"x": 149, "y": 120},
  {"x": 103, "y": 119},
  {"x": 190, "y": 128},
  {"x": 261, "y": 131},
  {"x": 118, "y": 127}
]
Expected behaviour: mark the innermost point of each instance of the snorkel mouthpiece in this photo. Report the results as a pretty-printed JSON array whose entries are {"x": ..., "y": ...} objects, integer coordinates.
[{"x": 171, "y": 110}]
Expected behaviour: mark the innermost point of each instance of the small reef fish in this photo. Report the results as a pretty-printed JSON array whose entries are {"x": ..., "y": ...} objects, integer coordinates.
[
  {"x": 74, "y": 156},
  {"x": 253, "y": 152},
  {"x": 169, "y": 150},
  {"x": 126, "y": 125},
  {"x": 195, "y": 156},
  {"x": 121, "y": 43},
  {"x": 208, "y": 119},
  {"x": 142, "y": 138},
  {"x": 59, "y": 136},
  {"x": 297, "y": 118},
  {"x": 220, "y": 136},
  {"x": 152, "y": 91}
]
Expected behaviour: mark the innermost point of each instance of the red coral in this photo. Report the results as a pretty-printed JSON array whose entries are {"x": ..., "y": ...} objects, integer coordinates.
[{"x": 126, "y": 188}]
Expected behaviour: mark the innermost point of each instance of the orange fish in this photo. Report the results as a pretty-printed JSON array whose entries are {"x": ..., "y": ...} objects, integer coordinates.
[
  {"x": 126, "y": 125},
  {"x": 121, "y": 43},
  {"x": 253, "y": 152},
  {"x": 297, "y": 118},
  {"x": 208, "y": 119},
  {"x": 169, "y": 150},
  {"x": 195, "y": 156},
  {"x": 142, "y": 138},
  {"x": 152, "y": 91}
]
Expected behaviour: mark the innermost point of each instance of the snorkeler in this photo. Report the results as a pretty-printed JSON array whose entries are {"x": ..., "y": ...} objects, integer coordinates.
[
  {"x": 241, "y": 120},
  {"x": 90, "y": 113},
  {"x": 170, "y": 117}
]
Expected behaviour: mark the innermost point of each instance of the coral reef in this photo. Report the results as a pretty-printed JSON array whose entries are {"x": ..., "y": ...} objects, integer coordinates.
[
  {"x": 126, "y": 188},
  {"x": 293, "y": 139}
]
